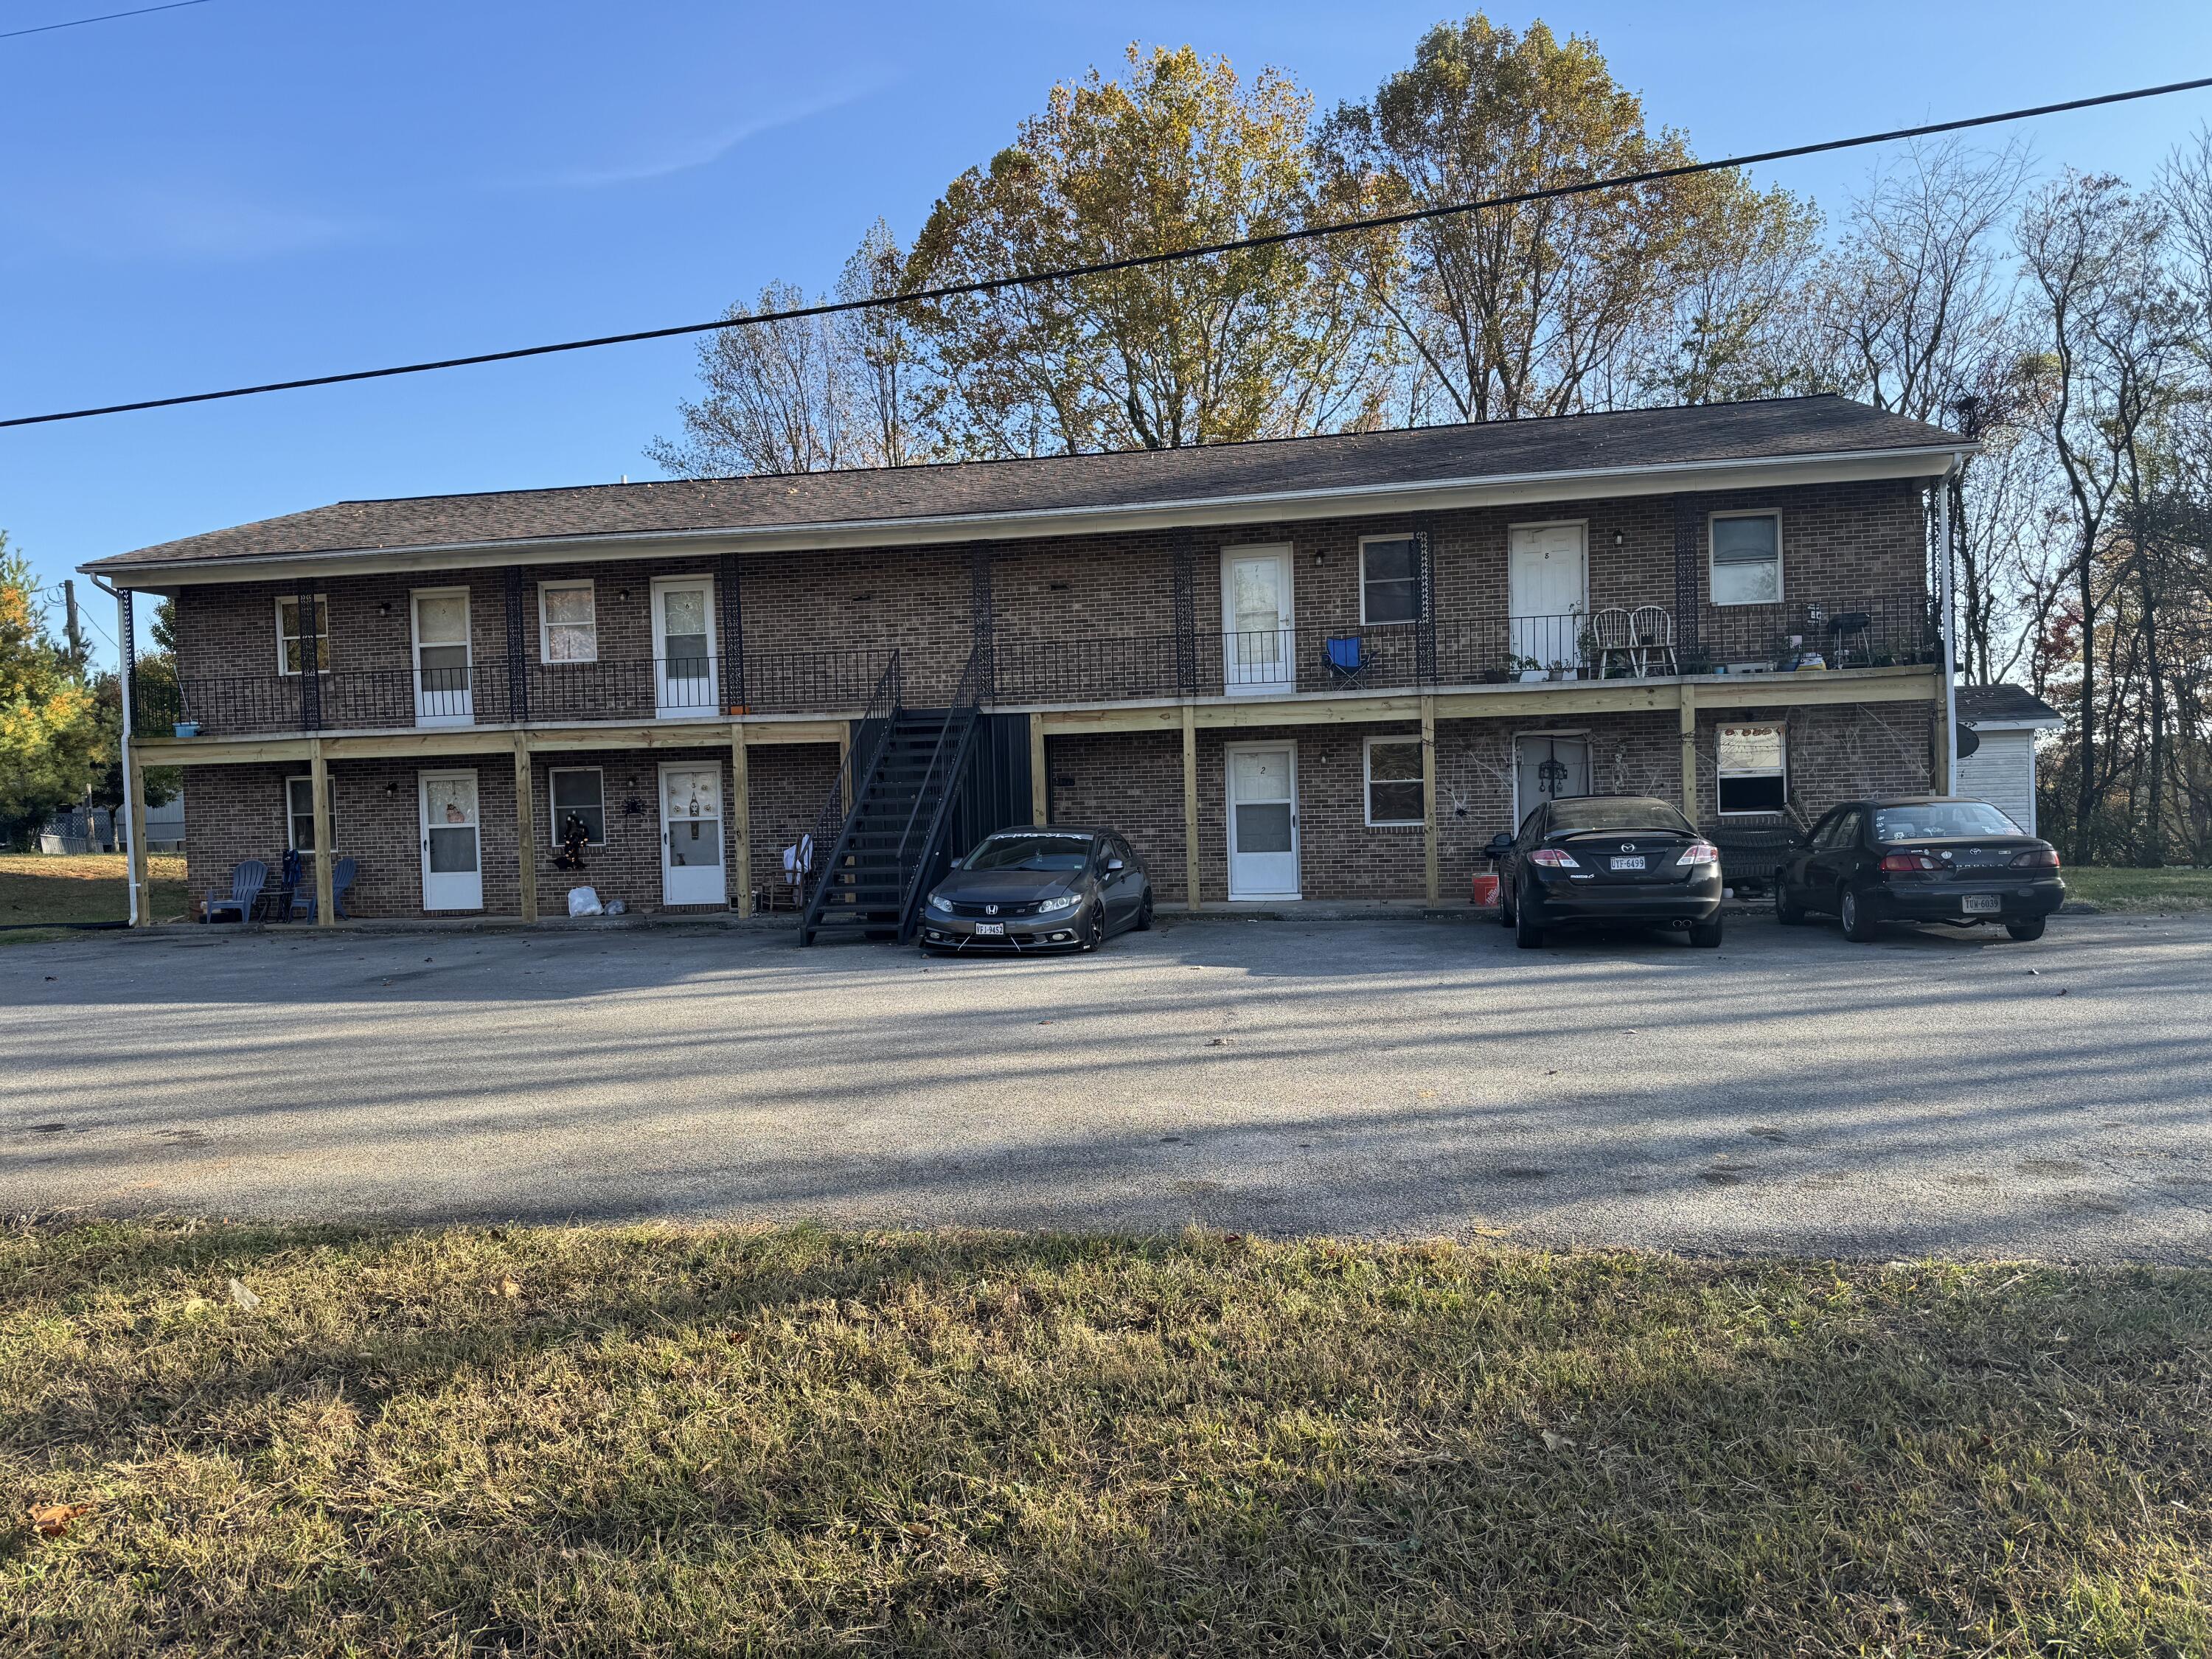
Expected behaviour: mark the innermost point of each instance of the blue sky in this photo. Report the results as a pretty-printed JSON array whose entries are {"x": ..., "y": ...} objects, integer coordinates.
[{"x": 250, "y": 190}]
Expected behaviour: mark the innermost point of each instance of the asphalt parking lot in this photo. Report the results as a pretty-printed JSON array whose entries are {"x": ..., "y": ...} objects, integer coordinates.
[{"x": 1937, "y": 1092}]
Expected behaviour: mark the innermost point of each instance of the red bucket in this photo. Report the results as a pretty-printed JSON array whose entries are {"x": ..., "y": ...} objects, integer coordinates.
[{"x": 1485, "y": 891}]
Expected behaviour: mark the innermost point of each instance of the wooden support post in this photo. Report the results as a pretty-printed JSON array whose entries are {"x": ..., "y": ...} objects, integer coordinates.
[
  {"x": 1190, "y": 859},
  {"x": 526, "y": 829},
  {"x": 1689, "y": 725},
  {"x": 318, "y": 786},
  {"x": 142, "y": 886},
  {"x": 741, "y": 817},
  {"x": 1040, "y": 779},
  {"x": 1429, "y": 798}
]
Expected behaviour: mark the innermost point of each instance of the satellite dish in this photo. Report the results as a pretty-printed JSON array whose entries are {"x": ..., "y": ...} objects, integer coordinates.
[{"x": 1969, "y": 739}]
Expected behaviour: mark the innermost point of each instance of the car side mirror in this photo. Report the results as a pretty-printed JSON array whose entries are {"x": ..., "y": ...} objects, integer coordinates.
[
  {"x": 1112, "y": 865},
  {"x": 1500, "y": 845}
]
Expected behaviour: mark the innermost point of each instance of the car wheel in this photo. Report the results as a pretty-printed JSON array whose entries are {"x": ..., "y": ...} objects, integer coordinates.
[
  {"x": 1094, "y": 931},
  {"x": 1145, "y": 912},
  {"x": 1787, "y": 910},
  {"x": 1706, "y": 935},
  {"x": 2030, "y": 927},
  {"x": 1527, "y": 931},
  {"x": 1858, "y": 926}
]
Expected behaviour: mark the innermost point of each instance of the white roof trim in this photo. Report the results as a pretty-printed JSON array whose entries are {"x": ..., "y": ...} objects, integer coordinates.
[
  {"x": 2020, "y": 723},
  {"x": 1340, "y": 501}
]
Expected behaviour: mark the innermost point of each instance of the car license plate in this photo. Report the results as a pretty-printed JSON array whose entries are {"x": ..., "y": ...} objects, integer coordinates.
[
  {"x": 1980, "y": 904},
  {"x": 1636, "y": 863},
  {"x": 991, "y": 929}
]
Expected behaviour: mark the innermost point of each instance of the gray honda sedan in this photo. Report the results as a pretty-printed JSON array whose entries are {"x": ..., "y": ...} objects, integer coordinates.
[{"x": 1038, "y": 889}]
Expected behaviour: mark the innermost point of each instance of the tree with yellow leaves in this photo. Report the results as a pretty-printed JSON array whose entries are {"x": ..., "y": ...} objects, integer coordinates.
[{"x": 49, "y": 723}]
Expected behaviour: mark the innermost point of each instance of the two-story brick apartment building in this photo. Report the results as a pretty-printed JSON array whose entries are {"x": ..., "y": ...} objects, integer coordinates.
[{"x": 1326, "y": 667}]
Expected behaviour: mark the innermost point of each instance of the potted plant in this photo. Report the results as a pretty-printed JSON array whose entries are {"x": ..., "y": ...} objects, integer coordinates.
[
  {"x": 1496, "y": 676},
  {"x": 1526, "y": 669}
]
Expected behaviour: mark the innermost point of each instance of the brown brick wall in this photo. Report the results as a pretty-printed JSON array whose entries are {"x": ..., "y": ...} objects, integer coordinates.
[
  {"x": 1095, "y": 594},
  {"x": 237, "y": 812},
  {"x": 1134, "y": 783}
]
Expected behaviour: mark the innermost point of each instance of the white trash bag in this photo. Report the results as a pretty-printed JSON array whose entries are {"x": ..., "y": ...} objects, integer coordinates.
[{"x": 584, "y": 902}]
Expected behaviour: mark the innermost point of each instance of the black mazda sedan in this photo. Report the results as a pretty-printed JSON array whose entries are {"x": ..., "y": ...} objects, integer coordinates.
[
  {"x": 1609, "y": 859},
  {"x": 1925, "y": 859},
  {"x": 1036, "y": 888}
]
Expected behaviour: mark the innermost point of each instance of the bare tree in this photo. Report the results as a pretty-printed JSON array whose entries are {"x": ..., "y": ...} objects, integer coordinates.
[{"x": 777, "y": 397}]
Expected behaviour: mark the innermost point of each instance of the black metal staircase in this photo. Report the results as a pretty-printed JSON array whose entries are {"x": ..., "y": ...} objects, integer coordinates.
[{"x": 903, "y": 781}]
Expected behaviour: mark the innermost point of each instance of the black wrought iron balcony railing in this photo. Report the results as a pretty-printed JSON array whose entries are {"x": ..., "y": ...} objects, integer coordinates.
[
  {"x": 494, "y": 692},
  {"x": 1612, "y": 643}
]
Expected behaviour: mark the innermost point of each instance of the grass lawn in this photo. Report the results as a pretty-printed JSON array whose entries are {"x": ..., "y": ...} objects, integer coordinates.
[
  {"x": 88, "y": 887},
  {"x": 2139, "y": 889},
  {"x": 705, "y": 1442}
]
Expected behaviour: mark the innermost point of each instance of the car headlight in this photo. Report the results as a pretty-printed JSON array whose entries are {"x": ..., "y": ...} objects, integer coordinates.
[
  {"x": 1053, "y": 906},
  {"x": 940, "y": 904}
]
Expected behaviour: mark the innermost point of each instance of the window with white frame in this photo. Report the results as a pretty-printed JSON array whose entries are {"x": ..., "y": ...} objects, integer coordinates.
[
  {"x": 578, "y": 791},
  {"x": 1394, "y": 780},
  {"x": 1747, "y": 558},
  {"x": 1390, "y": 579},
  {"x": 300, "y": 812},
  {"x": 287, "y": 634},
  {"x": 1753, "y": 768},
  {"x": 568, "y": 618}
]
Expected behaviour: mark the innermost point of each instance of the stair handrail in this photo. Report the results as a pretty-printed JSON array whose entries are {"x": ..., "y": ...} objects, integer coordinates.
[
  {"x": 961, "y": 711},
  {"x": 833, "y": 824}
]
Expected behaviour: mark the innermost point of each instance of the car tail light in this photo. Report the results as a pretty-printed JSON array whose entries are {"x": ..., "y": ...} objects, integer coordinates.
[
  {"x": 1553, "y": 858},
  {"x": 2038, "y": 858},
  {"x": 1910, "y": 861},
  {"x": 1700, "y": 851}
]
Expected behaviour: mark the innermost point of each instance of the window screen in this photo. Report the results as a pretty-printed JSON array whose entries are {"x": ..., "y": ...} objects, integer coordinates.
[
  {"x": 1748, "y": 559},
  {"x": 1390, "y": 581},
  {"x": 1394, "y": 780}
]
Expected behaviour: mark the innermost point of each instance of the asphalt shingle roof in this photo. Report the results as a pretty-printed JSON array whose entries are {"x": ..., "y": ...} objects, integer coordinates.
[
  {"x": 2001, "y": 702},
  {"x": 1778, "y": 429}
]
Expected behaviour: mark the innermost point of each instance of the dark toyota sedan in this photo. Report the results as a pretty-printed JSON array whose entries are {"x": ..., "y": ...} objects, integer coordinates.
[
  {"x": 1926, "y": 859},
  {"x": 1607, "y": 858},
  {"x": 1038, "y": 890}
]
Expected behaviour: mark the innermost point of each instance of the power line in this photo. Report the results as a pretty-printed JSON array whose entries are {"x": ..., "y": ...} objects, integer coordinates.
[
  {"x": 105, "y": 17},
  {"x": 990, "y": 284}
]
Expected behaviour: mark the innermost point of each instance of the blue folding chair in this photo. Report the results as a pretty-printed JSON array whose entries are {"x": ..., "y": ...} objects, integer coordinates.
[
  {"x": 1346, "y": 656},
  {"x": 342, "y": 875},
  {"x": 245, "y": 883}
]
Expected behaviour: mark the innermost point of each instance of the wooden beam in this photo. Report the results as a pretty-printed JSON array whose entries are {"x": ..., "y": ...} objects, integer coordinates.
[
  {"x": 1190, "y": 848},
  {"x": 526, "y": 829},
  {"x": 142, "y": 886},
  {"x": 318, "y": 786},
  {"x": 1040, "y": 779},
  {"x": 1688, "y": 725},
  {"x": 741, "y": 816},
  {"x": 1429, "y": 851}
]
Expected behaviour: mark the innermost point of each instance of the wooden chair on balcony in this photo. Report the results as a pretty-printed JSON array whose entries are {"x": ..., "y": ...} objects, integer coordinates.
[
  {"x": 1615, "y": 638},
  {"x": 1652, "y": 630}
]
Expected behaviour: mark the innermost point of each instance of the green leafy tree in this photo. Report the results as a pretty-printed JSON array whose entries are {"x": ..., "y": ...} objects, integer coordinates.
[{"x": 49, "y": 723}]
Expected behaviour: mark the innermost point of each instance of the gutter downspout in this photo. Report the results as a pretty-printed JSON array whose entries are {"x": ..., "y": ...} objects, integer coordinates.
[
  {"x": 124, "y": 678},
  {"x": 1950, "y": 629}
]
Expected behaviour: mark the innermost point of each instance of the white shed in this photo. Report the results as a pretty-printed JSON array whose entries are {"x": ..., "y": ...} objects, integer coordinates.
[{"x": 2002, "y": 770}]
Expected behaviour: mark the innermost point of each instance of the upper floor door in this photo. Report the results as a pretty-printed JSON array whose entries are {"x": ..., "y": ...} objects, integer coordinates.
[
  {"x": 443, "y": 695},
  {"x": 1257, "y": 652},
  {"x": 683, "y": 645},
  {"x": 1548, "y": 579}
]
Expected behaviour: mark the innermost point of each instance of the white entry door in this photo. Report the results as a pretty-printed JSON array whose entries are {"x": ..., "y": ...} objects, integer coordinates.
[
  {"x": 691, "y": 834},
  {"x": 452, "y": 850},
  {"x": 683, "y": 645},
  {"x": 442, "y": 693},
  {"x": 1547, "y": 767},
  {"x": 1547, "y": 580},
  {"x": 1263, "y": 820},
  {"x": 1257, "y": 653}
]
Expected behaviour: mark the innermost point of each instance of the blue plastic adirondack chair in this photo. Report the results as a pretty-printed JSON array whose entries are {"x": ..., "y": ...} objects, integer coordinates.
[
  {"x": 245, "y": 883},
  {"x": 342, "y": 875}
]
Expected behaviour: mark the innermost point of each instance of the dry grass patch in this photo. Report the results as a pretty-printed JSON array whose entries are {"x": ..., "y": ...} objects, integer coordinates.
[
  {"x": 2114, "y": 889},
  {"x": 713, "y": 1442}
]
